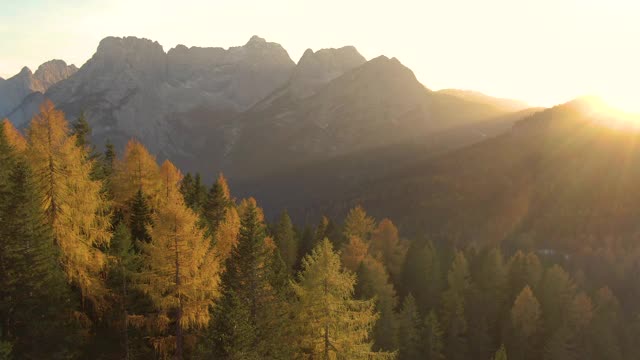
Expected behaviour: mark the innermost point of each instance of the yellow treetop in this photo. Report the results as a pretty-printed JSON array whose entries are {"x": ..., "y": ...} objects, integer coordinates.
[
  {"x": 14, "y": 137},
  {"x": 74, "y": 203},
  {"x": 354, "y": 253},
  {"x": 136, "y": 170},
  {"x": 181, "y": 269},
  {"x": 226, "y": 236}
]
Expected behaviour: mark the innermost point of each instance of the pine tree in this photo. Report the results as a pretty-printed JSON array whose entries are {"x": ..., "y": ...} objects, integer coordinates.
[
  {"x": 556, "y": 293},
  {"x": 286, "y": 240},
  {"x": 73, "y": 202},
  {"x": 358, "y": 224},
  {"x": 217, "y": 203},
  {"x": 246, "y": 317},
  {"x": 409, "y": 330},
  {"x": 31, "y": 281},
  {"x": 486, "y": 303},
  {"x": 606, "y": 343},
  {"x": 186, "y": 188},
  {"x": 199, "y": 194},
  {"x": 109, "y": 158},
  {"x": 81, "y": 130},
  {"x": 180, "y": 272},
  {"x": 422, "y": 276},
  {"x": 524, "y": 270},
  {"x": 453, "y": 298},
  {"x": 386, "y": 245},
  {"x": 432, "y": 338},
  {"x": 123, "y": 268},
  {"x": 332, "y": 324},
  {"x": 136, "y": 170},
  {"x": 307, "y": 242},
  {"x": 373, "y": 283},
  {"x": 354, "y": 253},
  {"x": 140, "y": 219},
  {"x": 525, "y": 326}
]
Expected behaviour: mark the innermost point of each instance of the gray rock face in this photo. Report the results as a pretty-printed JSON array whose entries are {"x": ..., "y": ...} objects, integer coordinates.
[
  {"x": 247, "y": 110},
  {"x": 316, "y": 69},
  {"x": 379, "y": 103},
  {"x": 16, "y": 89},
  {"x": 52, "y": 72},
  {"x": 132, "y": 88}
]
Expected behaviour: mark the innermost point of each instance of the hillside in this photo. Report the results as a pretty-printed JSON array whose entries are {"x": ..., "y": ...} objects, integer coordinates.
[{"x": 557, "y": 179}]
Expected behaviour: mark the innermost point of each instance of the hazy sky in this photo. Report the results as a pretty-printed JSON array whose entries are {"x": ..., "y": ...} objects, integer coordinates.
[{"x": 541, "y": 51}]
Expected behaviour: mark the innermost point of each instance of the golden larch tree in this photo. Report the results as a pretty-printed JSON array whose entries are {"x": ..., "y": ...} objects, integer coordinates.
[
  {"x": 180, "y": 271},
  {"x": 137, "y": 170},
  {"x": 73, "y": 203},
  {"x": 226, "y": 235},
  {"x": 359, "y": 224},
  {"x": 14, "y": 137},
  {"x": 354, "y": 253},
  {"x": 332, "y": 324}
]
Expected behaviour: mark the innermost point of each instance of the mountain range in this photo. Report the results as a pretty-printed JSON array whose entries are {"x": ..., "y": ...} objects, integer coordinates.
[
  {"x": 335, "y": 130},
  {"x": 228, "y": 105}
]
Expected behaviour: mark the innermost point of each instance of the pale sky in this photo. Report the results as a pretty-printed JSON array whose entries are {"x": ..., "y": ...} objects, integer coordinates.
[{"x": 541, "y": 51}]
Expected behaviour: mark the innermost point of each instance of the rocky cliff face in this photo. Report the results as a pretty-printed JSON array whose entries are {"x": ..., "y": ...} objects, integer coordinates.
[
  {"x": 132, "y": 88},
  {"x": 316, "y": 69},
  {"x": 15, "y": 89}
]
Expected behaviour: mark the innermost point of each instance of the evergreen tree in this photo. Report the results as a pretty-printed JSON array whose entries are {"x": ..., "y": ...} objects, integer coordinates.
[
  {"x": 453, "y": 300},
  {"x": 109, "y": 158},
  {"x": 245, "y": 317},
  {"x": 386, "y": 245},
  {"x": 486, "y": 303},
  {"x": 199, "y": 194},
  {"x": 285, "y": 238},
  {"x": 186, "y": 188},
  {"x": 81, "y": 130},
  {"x": 524, "y": 270},
  {"x": 525, "y": 326},
  {"x": 180, "y": 271},
  {"x": 432, "y": 337},
  {"x": 307, "y": 242},
  {"x": 140, "y": 219},
  {"x": 358, "y": 224},
  {"x": 332, "y": 324},
  {"x": 73, "y": 202},
  {"x": 604, "y": 337},
  {"x": 556, "y": 293},
  {"x": 422, "y": 276},
  {"x": 409, "y": 331},
  {"x": 354, "y": 253},
  {"x": 31, "y": 281},
  {"x": 217, "y": 204},
  {"x": 373, "y": 283},
  {"x": 123, "y": 269}
]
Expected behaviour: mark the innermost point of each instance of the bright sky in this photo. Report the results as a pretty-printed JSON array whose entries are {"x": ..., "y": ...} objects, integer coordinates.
[{"x": 544, "y": 51}]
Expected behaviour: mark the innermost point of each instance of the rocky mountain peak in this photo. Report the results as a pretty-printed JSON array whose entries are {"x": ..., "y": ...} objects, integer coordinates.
[
  {"x": 256, "y": 40},
  {"x": 318, "y": 68},
  {"x": 25, "y": 71},
  {"x": 53, "y": 71},
  {"x": 387, "y": 74}
]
